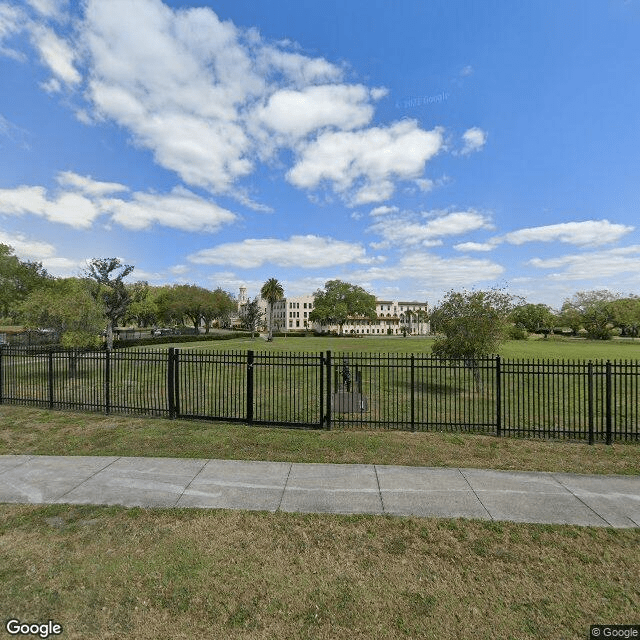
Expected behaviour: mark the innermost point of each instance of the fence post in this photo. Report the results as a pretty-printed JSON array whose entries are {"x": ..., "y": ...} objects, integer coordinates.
[
  {"x": 609, "y": 417},
  {"x": 590, "y": 399},
  {"x": 498, "y": 396},
  {"x": 176, "y": 381},
  {"x": 321, "y": 390},
  {"x": 250, "y": 387},
  {"x": 171, "y": 383},
  {"x": 50, "y": 360},
  {"x": 328, "y": 390},
  {"x": 107, "y": 381},
  {"x": 413, "y": 394},
  {"x": 1, "y": 376}
]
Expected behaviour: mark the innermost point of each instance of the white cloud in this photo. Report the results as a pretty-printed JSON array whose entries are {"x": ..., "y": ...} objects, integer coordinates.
[
  {"x": 409, "y": 230},
  {"x": 426, "y": 270},
  {"x": 56, "y": 54},
  {"x": 68, "y": 208},
  {"x": 474, "y": 139},
  {"x": 376, "y": 156},
  {"x": 590, "y": 265},
  {"x": 81, "y": 200},
  {"x": 12, "y": 21},
  {"x": 26, "y": 248},
  {"x": 87, "y": 185},
  {"x": 180, "y": 209},
  {"x": 588, "y": 233},
  {"x": 383, "y": 210},
  {"x": 298, "y": 113},
  {"x": 475, "y": 246},
  {"x": 307, "y": 252},
  {"x": 210, "y": 100},
  {"x": 49, "y": 8}
]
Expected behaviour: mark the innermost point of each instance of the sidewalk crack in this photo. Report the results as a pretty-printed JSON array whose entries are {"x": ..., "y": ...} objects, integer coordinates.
[
  {"x": 375, "y": 468},
  {"x": 581, "y": 500},
  {"x": 93, "y": 475},
  {"x": 200, "y": 470},
  {"x": 475, "y": 494},
  {"x": 286, "y": 483}
]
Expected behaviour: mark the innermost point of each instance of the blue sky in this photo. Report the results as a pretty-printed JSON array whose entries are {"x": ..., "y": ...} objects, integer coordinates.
[{"x": 409, "y": 147}]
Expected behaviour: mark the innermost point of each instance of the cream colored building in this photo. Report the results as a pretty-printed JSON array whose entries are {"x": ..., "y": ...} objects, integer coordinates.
[{"x": 395, "y": 317}]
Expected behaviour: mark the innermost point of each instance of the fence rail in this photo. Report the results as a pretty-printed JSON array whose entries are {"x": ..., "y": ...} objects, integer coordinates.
[{"x": 593, "y": 401}]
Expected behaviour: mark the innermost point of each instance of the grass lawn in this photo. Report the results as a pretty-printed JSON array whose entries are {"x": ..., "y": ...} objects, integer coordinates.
[
  {"x": 110, "y": 572},
  {"x": 27, "y": 430},
  {"x": 532, "y": 348}
]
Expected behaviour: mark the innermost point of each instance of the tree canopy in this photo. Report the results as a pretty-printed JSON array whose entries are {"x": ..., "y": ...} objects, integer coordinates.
[
  {"x": 108, "y": 288},
  {"x": 474, "y": 324},
  {"x": 535, "y": 318},
  {"x": 68, "y": 307},
  {"x": 590, "y": 310},
  {"x": 196, "y": 304},
  {"x": 18, "y": 278},
  {"x": 252, "y": 316},
  {"x": 339, "y": 301},
  {"x": 271, "y": 291}
]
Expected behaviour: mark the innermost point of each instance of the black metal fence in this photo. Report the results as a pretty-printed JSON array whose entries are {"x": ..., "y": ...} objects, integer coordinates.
[{"x": 592, "y": 401}]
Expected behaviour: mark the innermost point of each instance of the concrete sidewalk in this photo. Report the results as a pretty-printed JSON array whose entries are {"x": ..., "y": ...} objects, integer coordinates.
[{"x": 554, "y": 498}]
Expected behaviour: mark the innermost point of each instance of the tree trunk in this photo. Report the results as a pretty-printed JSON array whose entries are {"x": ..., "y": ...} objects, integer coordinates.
[{"x": 109, "y": 335}]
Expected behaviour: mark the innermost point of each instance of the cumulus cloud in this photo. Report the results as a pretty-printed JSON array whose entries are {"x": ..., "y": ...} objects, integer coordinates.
[
  {"x": 210, "y": 100},
  {"x": 383, "y": 210},
  {"x": 27, "y": 248},
  {"x": 588, "y": 233},
  {"x": 87, "y": 185},
  {"x": 81, "y": 200},
  {"x": 367, "y": 161},
  {"x": 475, "y": 246},
  {"x": 409, "y": 230},
  {"x": 298, "y": 113},
  {"x": 427, "y": 270},
  {"x": 474, "y": 139},
  {"x": 298, "y": 251},
  {"x": 586, "y": 266},
  {"x": 180, "y": 209}
]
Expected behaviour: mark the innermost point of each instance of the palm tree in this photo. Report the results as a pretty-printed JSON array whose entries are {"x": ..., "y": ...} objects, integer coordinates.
[{"x": 271, "y": 291}]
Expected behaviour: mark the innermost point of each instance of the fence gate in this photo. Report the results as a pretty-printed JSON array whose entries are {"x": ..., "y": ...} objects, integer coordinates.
[{"x": 265, "y": 388}]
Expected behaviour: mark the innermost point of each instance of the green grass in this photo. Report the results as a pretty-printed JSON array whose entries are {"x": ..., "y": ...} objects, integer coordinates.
[
  {"x": 110, "y": 572},
  {"x": 26, "y": 430},
  {"x": 446, "y": 395},
  {"x": 532, "y": 348}
]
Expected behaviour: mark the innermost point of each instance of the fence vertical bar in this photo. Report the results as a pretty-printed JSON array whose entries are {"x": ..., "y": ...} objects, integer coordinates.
[
  {"x": 413, "y": 393},
  {"x": 590, "y": 400},
  {"x": 176, "y": 382},
  {"x": 328, "y": 419},
  {"x": 50, "y": 359},
  {"x": 321, "y": 390},
  {"x": 249, "y": 412},
  {"x": 1, "y": 375},
  {"x": 107, "y": 381},
  {"x": 498, "y": 397},
  {"x": 608, "y": 396},
  {"x": 171, "y": 386}
]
